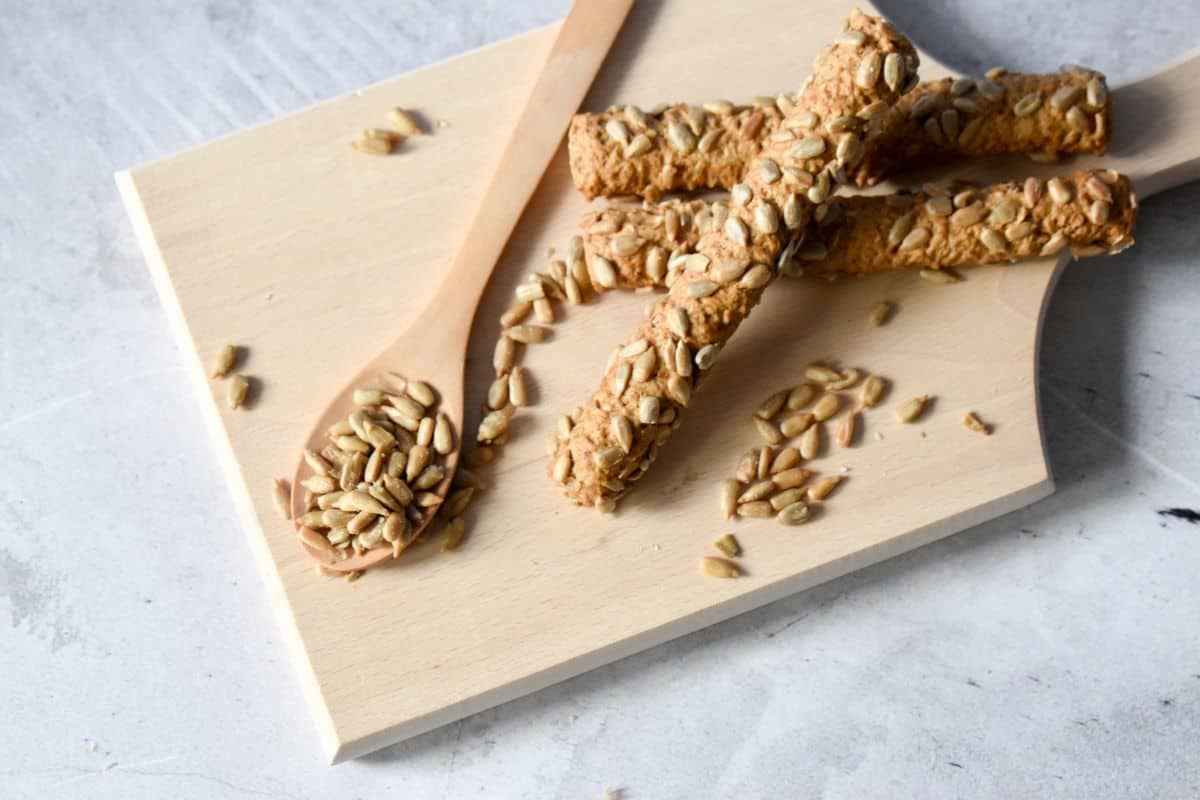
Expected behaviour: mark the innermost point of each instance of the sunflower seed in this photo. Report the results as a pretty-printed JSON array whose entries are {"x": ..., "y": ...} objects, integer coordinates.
[
  {"x": 331, "y": 518},
  {"x": 967, "y": 106},
  {"x": 819, "y": 192},
  {"x": 758, "y": 490},
  {"x": 639, "y": 145},
  {"x": 900, "y": 228},
  {"x": 351, "y": 444},
  {"x": 397, "y": 461},
  {"x": 787, "y": 458},
  {"x": 505, "y": 355},
  {"x": 820, "y": 373},
  {"x": 810, "y": 442},
  {"x": 910, "y": 409},
  {"x": 1065, "y": 97},
  {"x": 530, "y": 291},
  {"x": 721, "y": 108},
  {"x": 680, "y": 390},
  {"x": 795, "y": 514},
  {"x": 970, "y": 131},
  {"x": 643, "y": 366},
  {"x": 771, "y": 405},
  {"x": 617, "y": 130},
  {"x": 1027, "y": 104},
  {"x": 851, "y": 38},
  {"x": 621, "y": 429},
  {"x": 281, "y": 497},
  {"x": 620, "y": 378},
  {"x": 823, "y": 486},
  {"x": 515, "y": 313},
  {"x": 847, "y": 429},
  {"x": 758, "y": 276},
  {"x": 720, "y": 568},
  {"x": 796, "y": 424},
  {"x": 425, "y": 500},
  {"x": 923, "y": 106},
  {"x": 1097, "y": 93},
  {"x": 848, "y": 378},
  {"x": 316, "y": 463},
  {"x": 768, "y": 170},
  {"x": 1097, "y": 189},
  {"x": 893, "y": 71},
  {"x": 968, "y": 215},
  {"x": 602, "y": 272},
  {"x": 941, "y": 275},
  {"x": 492, "y": 426},
  {"x": 518, "y": 391},
  {"x": 527, "y": 334},
  {"x": 648, "y": 410},
  {"x": 608, "y": 457},
  {"x": 425, "y": 432},
  {"x": 1059, "y": 190},
  {"x": 810, "y": 146},
  {"x": 769, "y": 433},
  {"x": 236, "y": 391},
  {"x": 1003, "y": 213},
  {"x": 787, "y": 497},
  {"x": 1017, "y": 231},
  {"x": 867, "y": 73},
  {"x": 706, "y": 356},
  {"x": 766, "y": 218},
  {"x": 755, "y": 509},
  {"x": 1098, "y": 212},
  {"x": 993, "y": 240},
  {"x": 1032, "y": 191},
  {"x": 881, "y": 313},
  {"x": 1077, "y": 120},
  {"x": 562, "y": 467},
  {"x": 728, "y": 545},
  {"x": 790, "y": 478},
  {"x": 357, "y": 501},
  {"x": 677, "y": 321},
  {"x": 625, "y": 244},
  {"x": 826, "y": 406},
  {"x": 455, "y": 530},
  {"x": 326, "y": 499},
  {"x": 747, "y": 466},
  {"x": 431, "y": 476},
  {"x": 701, "y": 288},
  {"x": 736, "y": 230},
  {"x": 497, "y": 396},
  {"x": 683, "y": 359},
  {"x": 315, "y": 540},
  {"x": 741, "y": 194},
  {"x": 695, "y": 262},
  {"x": 681, "y": 137},
  {"x": 1054, "y": 244},
  {"x": 916, "y": 239},
  {"x": 223, "y": 361},
  {"x": 973, "y": 422},
  {"x": 728, "y": 270},
  {"x": 399, "y": 492},
  {"x": 634, "y": 348},
  {"x": 793, "y": 216}
]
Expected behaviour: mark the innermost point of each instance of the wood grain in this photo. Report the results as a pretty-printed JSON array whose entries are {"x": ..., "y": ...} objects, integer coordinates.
[{"x": 284, "y": 240}]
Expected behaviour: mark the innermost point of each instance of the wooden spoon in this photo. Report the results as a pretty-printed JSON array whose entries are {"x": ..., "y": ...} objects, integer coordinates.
[{"x": 433, "y": 349}]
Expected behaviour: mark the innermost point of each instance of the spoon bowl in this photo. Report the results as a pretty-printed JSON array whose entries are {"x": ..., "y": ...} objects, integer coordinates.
[{"x": 433, "y": 348}]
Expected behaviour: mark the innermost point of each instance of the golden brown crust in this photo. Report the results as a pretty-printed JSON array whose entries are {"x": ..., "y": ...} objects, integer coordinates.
[
  {"x": 1009, "y": 122},
  {"x": 1090, "y": 211},
  {"x": 1066, "y": 112},
  {"x": 614, "y": 438},
  {"x": 853, "y": 238}
]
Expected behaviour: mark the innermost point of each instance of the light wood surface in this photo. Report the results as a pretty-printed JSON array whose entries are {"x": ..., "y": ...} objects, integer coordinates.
[
  {"x": 314, "y": 257},
  {"x": 433, "y": 348}
]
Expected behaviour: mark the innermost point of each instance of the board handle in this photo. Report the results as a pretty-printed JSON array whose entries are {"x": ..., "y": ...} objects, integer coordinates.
[{"x": 1156, "y": 128}]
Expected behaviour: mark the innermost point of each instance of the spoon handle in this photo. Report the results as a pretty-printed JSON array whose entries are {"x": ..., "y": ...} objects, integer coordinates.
[{"x": 583, "y": 40}]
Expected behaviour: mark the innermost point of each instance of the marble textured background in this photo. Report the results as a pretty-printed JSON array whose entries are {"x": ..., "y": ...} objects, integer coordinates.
[{"x": 1054, "y": 652}]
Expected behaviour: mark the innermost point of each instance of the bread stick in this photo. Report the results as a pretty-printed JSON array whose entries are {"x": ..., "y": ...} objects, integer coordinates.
[
  {"x": 946, "y": 226},
  {"x": 651, "y": 377},
  {"x": 854, "y": 234},
  {"x": 1009, "y": 113}
]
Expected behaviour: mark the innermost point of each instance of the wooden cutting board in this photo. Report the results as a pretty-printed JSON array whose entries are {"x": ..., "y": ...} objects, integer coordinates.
[{"x": 282, "y": 239}]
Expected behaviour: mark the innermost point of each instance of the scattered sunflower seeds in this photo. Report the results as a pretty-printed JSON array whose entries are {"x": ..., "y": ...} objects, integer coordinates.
[
  {"x": 910, "y": 409},
  {"x": 973, "y": 422},
  {"x": 729, "y": 546},
  {"x": 719, "y": 567},
  {"x": 224, "y": 361}
]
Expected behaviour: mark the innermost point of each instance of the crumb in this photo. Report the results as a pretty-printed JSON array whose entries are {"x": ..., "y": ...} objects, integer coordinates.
[
  {"x": 110, "y": 766},
  {"x": 441, "y": 123}
]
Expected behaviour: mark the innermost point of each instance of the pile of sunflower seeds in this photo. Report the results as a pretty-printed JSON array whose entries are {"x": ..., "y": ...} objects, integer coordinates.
[{"x": 382, "y": 475}]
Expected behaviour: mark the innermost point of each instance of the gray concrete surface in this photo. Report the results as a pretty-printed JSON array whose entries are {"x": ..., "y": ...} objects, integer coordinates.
[{"x": 1052, "y": 653}]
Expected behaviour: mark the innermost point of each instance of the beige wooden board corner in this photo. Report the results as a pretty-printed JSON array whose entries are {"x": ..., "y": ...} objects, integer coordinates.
[{"x": 282, "y": 239}]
